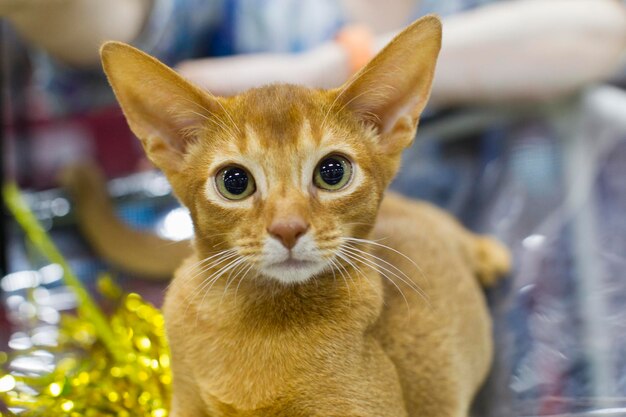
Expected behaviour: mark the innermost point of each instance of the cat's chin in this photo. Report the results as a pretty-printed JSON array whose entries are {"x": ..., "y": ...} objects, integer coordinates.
[{"x": 293, "y": 271}]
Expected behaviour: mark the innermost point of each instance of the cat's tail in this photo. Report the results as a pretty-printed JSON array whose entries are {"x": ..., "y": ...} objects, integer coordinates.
[
  {"x": 140, "y": 253},
  {"x": 491, "y": 259}
]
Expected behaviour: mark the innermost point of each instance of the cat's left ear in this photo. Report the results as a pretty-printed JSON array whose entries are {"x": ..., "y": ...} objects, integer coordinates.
[
  {"x": 391, "y": 91},
  {"x": 160, "y": 106}
]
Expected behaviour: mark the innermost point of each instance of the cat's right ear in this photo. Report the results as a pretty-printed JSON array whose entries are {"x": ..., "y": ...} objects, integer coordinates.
[
  {"x": 160, "y": 106},
  {"x": 391, "y": 91}
]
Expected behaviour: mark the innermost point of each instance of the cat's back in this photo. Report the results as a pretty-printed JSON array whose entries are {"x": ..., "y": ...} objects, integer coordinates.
[
  {"x": 435, "y": 322},
  {"x": 427, "y": 256},
  {"x": 422, "y": 238}
]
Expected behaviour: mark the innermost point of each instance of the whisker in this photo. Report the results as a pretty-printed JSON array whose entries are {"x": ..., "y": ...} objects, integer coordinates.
[
  {"x": 332, "y": 265},
  {"x": 211, "y": 236},
  {"x": 380, "y": 245},
  {"x": 381, "y": 268},
  {"x": 214, "y": 278},
  {"x": 210, "y": 265},
  {"x": 341, "y": 269},
  {"x": 231, "y": 278},
  {"x": 201, "y": 262},
  {"x": 245, "y": 274},
  {"x": 356, "y": 268},
  {"x": 406, "y": 302},
  {"x": 377, "y": 258},
  {"x": 214, "y": 255},
  {"x": 229, "y": 259},
  {"x": 349, "y": 265}
]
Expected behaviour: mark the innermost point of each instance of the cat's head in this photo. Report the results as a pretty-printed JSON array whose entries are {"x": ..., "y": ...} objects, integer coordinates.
[{"x": 280, "y": 176}]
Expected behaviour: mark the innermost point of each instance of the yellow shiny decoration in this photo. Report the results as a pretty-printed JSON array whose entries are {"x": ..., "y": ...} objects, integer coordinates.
[
  {"x": 87, "y": 307},
  {"x": 89, "y": 381},
  {"x": 116, "y": 372},
  {"x": 111, "y": 366},
  {"x": 142, "y": 343},
  {"x": 108, "y": 287},
  {"x": 83, "y": 378},
  {"x": 133, "y": 302},
  {"x": 55, "y": 389},
  {"x": 144, "y": 398},
  {"x": 7, "y": 383},
  {"x": 159, "y": 412},
  {"x": 145, "y": 361},
  {"x": 67, "y": 405}
]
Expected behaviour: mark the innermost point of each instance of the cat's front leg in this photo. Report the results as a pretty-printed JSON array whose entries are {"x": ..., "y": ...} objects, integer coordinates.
[
  {"x": 184, "y": 409},
  {"x": 179, "y": 409},
  {"x": 186, "y": 396}
]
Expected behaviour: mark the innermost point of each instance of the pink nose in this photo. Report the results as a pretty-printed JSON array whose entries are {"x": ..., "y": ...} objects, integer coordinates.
[{"x": 288, "y": 230}]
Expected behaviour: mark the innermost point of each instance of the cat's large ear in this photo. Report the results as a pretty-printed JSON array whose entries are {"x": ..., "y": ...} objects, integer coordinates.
[
  {"x": 392, "y": 90},
  {"x": 160, "y": 106}
]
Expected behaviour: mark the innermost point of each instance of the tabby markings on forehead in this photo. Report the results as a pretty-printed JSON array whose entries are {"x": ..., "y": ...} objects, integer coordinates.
[
  {"x": 303, "y": 144},
  {"x": 252, "y": 145}
]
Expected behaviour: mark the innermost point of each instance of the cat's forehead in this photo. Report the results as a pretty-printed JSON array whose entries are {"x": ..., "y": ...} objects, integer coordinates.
[
  {"x": 278, "y": 113},
  {"x": 268, "y": 146},
  {"x": 280, "y": 119}
]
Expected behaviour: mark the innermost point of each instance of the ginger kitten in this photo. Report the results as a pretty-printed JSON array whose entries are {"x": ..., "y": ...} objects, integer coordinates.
[{"x": 311, "y": 292}]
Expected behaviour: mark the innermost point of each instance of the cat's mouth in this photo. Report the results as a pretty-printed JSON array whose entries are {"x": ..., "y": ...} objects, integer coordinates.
[
  {"x": 292, "y": 270},
  {"x": 296, "y": 265},
  {"x": 292, "y": 263}
]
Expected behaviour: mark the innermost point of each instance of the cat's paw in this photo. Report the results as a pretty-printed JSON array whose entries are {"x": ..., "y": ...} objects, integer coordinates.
[{"x": 492, "y": 260}]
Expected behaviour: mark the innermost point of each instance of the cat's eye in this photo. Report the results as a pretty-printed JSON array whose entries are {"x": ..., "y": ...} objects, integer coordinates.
[
  {"x": 332, "y": 173},
  {"x": 235, "y": 183}
]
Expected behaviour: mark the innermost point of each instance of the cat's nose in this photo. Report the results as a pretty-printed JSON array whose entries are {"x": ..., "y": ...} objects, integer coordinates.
[{"x": 288, "y": 230}]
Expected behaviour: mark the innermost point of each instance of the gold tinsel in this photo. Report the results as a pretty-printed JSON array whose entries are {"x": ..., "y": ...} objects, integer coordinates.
[
  {"x": 103, "y": 366},
  {"x": 88, "y": 381}
]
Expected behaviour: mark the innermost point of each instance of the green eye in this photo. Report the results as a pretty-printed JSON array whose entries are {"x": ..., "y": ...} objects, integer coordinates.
[
  {"x": 235, "y": 183},
  {"x": 332, "y": 173}
]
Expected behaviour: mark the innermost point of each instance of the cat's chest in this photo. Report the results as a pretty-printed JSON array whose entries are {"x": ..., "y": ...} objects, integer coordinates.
[
  {"x": 244, "y": 346},
  {"x": 256, "y": 368}
]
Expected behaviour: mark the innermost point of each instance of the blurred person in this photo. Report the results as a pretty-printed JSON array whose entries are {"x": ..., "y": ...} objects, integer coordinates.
[
  {"x": 521, "y": 50},
  {"x": 493, "y": 52},
  {"x": 509, "y": 50}
]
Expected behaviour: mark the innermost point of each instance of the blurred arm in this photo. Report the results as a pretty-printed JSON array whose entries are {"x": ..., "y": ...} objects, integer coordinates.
[
  {"x": 510, "y": 51},
  {"x": 73, "y": 30},
  {"x": 529, "y": 50}
]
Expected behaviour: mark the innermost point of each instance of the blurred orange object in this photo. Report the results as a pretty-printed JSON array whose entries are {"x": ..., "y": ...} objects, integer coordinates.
[{"x": 358, "y": 41}]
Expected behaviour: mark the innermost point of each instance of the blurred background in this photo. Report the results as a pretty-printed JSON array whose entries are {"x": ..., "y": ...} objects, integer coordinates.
[{"x": 525, "y": 138}]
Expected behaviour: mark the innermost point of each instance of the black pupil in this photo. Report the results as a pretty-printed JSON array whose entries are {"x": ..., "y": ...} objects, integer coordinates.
[
  {"x": 235, "y": 180},
  {"x": 331, "y": 171}
]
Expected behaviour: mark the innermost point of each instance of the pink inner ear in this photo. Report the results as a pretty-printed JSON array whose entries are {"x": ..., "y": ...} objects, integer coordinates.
[
  {"x": 161, "y": 107},
  {"x": 385, "y": 111},
  {"x": 391, "y": 117},
  {"x": 173, "y": 119},
  {"x": 396, "y": 83}
]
